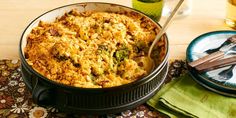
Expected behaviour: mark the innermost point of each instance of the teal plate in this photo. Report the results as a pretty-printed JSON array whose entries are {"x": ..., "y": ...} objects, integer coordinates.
[{"x": 222, "y": 79}]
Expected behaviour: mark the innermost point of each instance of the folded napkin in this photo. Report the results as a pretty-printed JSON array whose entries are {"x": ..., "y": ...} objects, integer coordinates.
[{"x": 183, "y": 97}]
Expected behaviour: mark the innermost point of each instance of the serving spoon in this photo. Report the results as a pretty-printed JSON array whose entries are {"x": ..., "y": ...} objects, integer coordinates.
[{"x": 162, "y": 31}]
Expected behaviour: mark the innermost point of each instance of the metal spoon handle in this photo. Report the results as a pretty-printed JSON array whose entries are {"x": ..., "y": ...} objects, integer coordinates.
[{"x": 165, "y": 26}]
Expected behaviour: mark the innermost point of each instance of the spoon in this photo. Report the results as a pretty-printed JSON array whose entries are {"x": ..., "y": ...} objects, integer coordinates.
[
  {"x": 231, "y": 39},
  {"x": 163, "y": 30},
  {"x": 227, "y": 42}
]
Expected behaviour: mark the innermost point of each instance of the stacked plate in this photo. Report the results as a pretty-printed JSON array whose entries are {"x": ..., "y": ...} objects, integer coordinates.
[{"x": 222, "y": 80}]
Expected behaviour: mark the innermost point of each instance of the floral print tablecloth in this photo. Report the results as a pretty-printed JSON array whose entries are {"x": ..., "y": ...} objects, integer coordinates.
[{"x": 16, "y": 101}]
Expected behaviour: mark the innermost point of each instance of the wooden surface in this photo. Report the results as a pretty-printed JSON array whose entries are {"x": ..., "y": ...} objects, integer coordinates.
[{"x": 206, "y": 15}]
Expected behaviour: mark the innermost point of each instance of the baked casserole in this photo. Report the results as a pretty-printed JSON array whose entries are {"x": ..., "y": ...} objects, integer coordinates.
[{"x": 93, "y": 49}]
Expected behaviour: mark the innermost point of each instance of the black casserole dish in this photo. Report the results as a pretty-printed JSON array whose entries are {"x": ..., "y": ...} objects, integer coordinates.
[{"x": 91, "y": 100}]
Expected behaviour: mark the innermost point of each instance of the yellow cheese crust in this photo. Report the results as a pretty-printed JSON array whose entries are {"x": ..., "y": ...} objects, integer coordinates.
[{"x": 92, "y": 49}]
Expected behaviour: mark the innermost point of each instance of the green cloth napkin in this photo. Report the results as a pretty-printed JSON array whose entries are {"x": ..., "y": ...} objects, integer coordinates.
[{"x": 184, "y": 98}]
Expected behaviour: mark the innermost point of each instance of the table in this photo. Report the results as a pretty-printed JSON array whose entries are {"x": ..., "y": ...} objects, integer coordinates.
[{"x": 206, "y": 15}]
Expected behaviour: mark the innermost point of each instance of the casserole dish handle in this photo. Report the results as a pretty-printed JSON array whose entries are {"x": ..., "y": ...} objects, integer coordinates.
[{"x": 41, "y": 93}]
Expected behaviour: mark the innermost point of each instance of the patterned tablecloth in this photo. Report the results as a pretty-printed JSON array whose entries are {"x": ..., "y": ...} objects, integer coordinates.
[{"x": 16, "y": 101}]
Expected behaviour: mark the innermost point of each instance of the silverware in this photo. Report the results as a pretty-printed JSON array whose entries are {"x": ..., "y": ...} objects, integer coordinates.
[
  {"x": 216, "y": 64},
  {"x": 232, "y": 51},
  {"x": 227, "y": 74},
  {"x": 213, "y": 56},
  {"x": 232, "y": 39},
  {"x": 163, "y": 30}
]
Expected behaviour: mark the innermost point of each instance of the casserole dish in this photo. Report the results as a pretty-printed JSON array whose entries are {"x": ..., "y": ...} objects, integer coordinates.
[{"x": 91, "y": 100}]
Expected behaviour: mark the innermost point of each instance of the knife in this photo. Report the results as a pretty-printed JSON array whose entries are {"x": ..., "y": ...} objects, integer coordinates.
[
  {"x": 222, "y": 51},
  {"x": 216, "y": 64}
]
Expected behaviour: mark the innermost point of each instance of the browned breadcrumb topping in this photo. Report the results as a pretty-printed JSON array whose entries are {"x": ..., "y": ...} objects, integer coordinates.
[{"x": 93, "y": 49}]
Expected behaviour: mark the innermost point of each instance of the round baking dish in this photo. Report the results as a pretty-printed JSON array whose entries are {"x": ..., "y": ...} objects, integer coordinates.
[{"x": 91, "y": 100}]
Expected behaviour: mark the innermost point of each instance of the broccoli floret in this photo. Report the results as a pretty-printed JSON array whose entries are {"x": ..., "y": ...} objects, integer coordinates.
[{"x": 121, "y": 54}]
